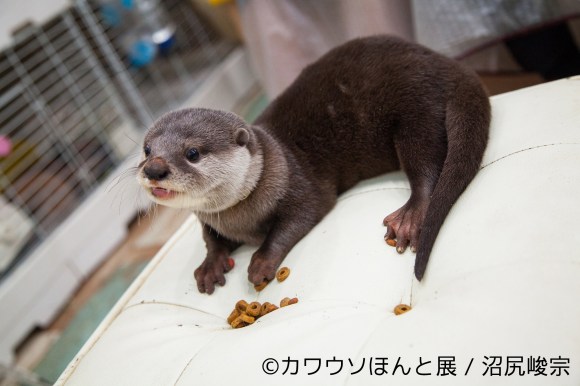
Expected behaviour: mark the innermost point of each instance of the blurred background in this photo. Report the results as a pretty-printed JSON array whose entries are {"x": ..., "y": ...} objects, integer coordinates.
[{"x": 81, "y": 80}]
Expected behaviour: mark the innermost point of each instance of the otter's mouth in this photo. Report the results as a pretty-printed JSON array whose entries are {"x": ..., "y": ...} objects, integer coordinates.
[{"x": 162, "y": 193}]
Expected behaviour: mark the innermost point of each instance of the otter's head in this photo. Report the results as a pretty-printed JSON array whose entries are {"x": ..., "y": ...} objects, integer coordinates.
[{"x": 204, "y": 160}]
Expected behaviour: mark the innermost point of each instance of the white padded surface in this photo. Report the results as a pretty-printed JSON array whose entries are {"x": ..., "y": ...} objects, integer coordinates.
[{"x": 503, "y": 280}]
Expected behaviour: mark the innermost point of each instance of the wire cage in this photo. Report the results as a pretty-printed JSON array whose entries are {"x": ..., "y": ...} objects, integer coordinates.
[
  {"x": 187, "y": 49},
  {"x": 73, "y": 89}
]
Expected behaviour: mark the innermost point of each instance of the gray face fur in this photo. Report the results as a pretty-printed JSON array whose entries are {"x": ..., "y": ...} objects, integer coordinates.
[{"x": 225, "y": 171}]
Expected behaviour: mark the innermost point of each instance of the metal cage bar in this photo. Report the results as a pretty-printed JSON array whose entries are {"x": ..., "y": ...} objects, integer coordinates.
[{"x": 66, "y": 89}]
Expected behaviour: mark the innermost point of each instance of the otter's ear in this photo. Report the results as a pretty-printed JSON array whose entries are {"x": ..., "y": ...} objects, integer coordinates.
[{"x": 242, "y": 136}]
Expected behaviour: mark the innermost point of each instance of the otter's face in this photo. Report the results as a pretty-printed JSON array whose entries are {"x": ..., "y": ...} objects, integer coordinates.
[{"x": 204, "y": 160}]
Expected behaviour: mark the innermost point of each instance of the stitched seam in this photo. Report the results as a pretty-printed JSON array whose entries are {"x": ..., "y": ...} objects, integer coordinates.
[{"x": 530, "y": 148}]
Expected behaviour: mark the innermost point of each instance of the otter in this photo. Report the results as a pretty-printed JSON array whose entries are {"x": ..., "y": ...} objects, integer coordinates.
[{"x": 370, "y": 106}]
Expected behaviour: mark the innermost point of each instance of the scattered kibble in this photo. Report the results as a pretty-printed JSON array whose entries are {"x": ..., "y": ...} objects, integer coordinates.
[
  {"x": 261, "y": 286},
  {"x": 401, "y": 309},
  {"x": 235, "y": 313},
  {"x": 282, "y": 274},
  {"x": 253, "y": 309},
  {"x": 241, "y": 305},
  {"x": 267, "y": 307},
  {"x": 238, "y": 323},
  {"x": 245, "y": 313},
  {"x": 247, "y": 318}
]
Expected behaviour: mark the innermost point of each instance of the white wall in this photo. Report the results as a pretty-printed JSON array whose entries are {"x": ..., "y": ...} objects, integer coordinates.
[{"x": 14, "y": 13}]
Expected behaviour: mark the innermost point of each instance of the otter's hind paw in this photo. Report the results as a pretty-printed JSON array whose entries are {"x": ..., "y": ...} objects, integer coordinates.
[{"x": 404, "y": 226}]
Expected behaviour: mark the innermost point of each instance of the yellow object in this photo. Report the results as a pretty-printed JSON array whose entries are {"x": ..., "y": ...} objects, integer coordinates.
[
  {"x": 216, "y": 3},
  {"x": 401, "y": 309},
  {"x": 282, "y": 274}
]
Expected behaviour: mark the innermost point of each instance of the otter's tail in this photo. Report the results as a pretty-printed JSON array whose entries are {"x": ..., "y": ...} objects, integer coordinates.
[{"x": 467, "y": 121}]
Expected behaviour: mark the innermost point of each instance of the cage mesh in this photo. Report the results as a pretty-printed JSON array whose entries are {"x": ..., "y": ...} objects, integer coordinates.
[{"x": 67, "y": 88}]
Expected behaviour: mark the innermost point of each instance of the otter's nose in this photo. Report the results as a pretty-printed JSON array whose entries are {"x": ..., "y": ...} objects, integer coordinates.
[{"x": 156, "y": 169}]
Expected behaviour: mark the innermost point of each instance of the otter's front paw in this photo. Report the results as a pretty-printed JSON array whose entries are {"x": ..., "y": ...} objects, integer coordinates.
[
  {"x": 211, "y": 272},
  {"x": 262, "y": 268}
]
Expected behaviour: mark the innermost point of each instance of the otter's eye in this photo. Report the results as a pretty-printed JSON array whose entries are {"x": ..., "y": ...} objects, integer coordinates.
[
  {"x": 192, "y": 155},
  {"x": 147, "y": 150}
]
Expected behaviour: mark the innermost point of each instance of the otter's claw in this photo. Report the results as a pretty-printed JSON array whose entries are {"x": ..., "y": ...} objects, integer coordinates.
[
  {"x": 262, "y": 268},
  {"x": 211, "y": 272},
  {"x": 404, "y": 225}
]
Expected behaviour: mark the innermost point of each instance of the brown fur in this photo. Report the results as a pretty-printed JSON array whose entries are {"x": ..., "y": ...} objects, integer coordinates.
[{"x": 370, "y": 106}]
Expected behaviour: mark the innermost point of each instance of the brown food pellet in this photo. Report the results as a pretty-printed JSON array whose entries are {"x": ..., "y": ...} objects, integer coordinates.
[
  {"x": 245, "y": 314},
  {"x": 261, "y": 286},
  {"x": 282, "y": 274},
  {"x": 272, "y": 307},
  {"x": 391, "y": 242},
  {"x": 401, "y": 309},
  {"x": 241, "y": 305},
  {"x": 253, "y": 309},
  {"x": 265, "y": 307},
  {"x": 235, "y": 313},
  {"x": 238, "y": 323},
  {"x": 247, "y": 318}
]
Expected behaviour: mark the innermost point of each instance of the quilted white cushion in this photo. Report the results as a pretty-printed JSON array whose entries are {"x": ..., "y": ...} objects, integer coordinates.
[{"x": 502, "y": 285}]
